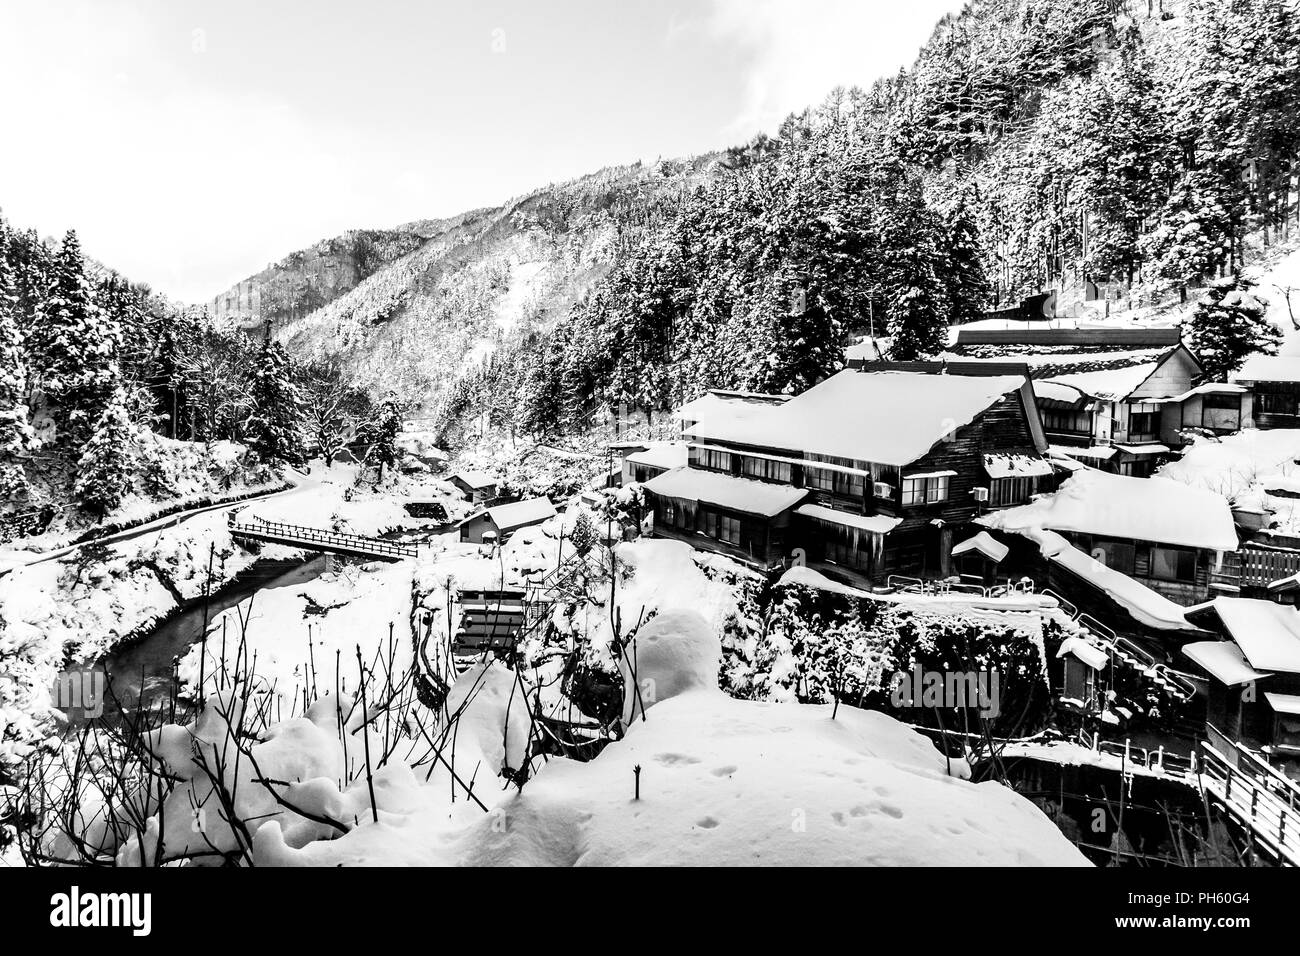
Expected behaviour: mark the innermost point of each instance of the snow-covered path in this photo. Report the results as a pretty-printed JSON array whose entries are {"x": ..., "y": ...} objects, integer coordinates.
[{"x": 300, "y": 483}]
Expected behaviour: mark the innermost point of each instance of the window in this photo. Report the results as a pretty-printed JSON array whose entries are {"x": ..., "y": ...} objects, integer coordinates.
[
  {"x": 1070, "y": 420},
  {"x": 730, "y": 530},
  {"x": 670, "y": 513},
  {"x": 712, "y": 459},
  {"x": 1274, "y": 403},
  {"x": 1010, "y": 491},
  {"x": 1119, "y": 555},
  {"x": 1220, "y": 412},
  {"x": 765, "y": 469},
  {"x": 925, "y": 490},
  {"x": 834, "y": 482},
  {"x": 1173, "y": 564},
  {"x": 1143, "y": 421}
]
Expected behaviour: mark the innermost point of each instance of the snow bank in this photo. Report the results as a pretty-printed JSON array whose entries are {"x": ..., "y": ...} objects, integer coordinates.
[{"x": 723, "y": 782}]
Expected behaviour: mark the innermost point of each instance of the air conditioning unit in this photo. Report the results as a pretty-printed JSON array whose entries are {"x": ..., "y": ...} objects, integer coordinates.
[
  {"x": 981, "y": 494},
  {"x": 882, "y": 489}
]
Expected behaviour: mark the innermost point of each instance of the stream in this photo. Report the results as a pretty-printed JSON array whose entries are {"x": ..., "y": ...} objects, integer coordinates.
[{"x": 141, "y": 673}]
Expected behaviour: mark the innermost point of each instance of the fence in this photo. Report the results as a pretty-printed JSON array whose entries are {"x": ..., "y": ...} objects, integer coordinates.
[{"x": 319, "y": 540}]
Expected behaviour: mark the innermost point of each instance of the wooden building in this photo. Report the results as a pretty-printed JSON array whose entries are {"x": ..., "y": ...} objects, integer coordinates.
[
  {"x": 642, "y": 463},
  {"x": 870, "y": 473},
  {"x": 1253, "y": 673},
  {"x": 1274, "y": 381},
  {"x": 501, "y": 521},
  {"x": 474, "y": 486},
  {"x": 1165, "y": 535},
  {"x": 1115, "y": 399}
]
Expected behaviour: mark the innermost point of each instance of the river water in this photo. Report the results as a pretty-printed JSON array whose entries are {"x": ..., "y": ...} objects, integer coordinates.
[{"x": 142, "y": 672}]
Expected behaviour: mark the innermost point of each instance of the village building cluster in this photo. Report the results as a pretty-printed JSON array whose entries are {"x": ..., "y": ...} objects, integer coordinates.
[{"x": 1020, "y": 460}]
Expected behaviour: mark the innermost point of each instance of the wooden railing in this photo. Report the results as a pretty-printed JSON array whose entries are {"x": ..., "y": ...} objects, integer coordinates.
[
  {"x": 1255, "y": 793},
  {"x": 320, "y": 540}
]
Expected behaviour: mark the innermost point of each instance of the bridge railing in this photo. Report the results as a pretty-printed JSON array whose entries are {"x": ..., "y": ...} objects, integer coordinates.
[
  {"x": 301, "y": 534},
  {"x": 1256, "y": 794}
]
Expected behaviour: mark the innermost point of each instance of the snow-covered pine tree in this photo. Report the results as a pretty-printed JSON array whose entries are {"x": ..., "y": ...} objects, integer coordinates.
[
  {"x": 16, "y": 436},
  {"x": 381, "y": 433},
  {"x": 273, "y": 426},
  {"x": 963, "y": 270},
  {"x": 104, "y": 469},
  {"x": 1125, "y": 159},
  {"x": 583, "y": 534},
  {"x": 78, "y": 368},
  {"x": 1228, "y": 325}
]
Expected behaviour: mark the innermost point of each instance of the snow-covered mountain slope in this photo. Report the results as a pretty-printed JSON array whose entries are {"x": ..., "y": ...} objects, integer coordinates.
[{"x": 470, "y": 283}]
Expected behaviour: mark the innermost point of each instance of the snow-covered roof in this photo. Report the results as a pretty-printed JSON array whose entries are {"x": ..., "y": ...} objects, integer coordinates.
[
  {"x": 1146, "y": 448},
  {"x": 1283, "y": 703},
  {"x": 876, "y": 524},
  {"x": 1224, "y": 661},
  {"x": 1145, "y": 605},
  {"x": 888, "y": 417},
  {"x": 1094, "y": 453},
  {"x": 1287, "y": 484},
  {"x": 1110, "y": 384},
  {"x": 474, "y": 479},
  {"x": 1269, "y": 368},
  {"x": 1016, "y": 466},
  {"x": 1059, "y": 392},
  {"x": 1120, "y": 506},
  {"x": 521, "y": 513},
  {"x": 1093, "y": 656},
  {"x": 1267, "y": 633},
  {"x": 721, "y": 406},
  {"x": 740, "y": 494},
  {"x": 661, "y": 455},
  {"x": 985, "y": 544},
  {"x": 1209, "y": 388}
]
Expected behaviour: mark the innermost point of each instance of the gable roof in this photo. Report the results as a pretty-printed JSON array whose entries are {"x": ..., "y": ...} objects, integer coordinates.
[
  {"x": 521, "y": 513},
  {"x": 1267, "y": 633},
  {"x": 474, "y": 479},
  {"x": 1120, "y": 506},
  {"x": 888, "y": 417}
]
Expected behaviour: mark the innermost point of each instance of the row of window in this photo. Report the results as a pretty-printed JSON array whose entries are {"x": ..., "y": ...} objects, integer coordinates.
[
  {"x": 915, "y": 491},
  {"x": 765, "y": 469},
  {"x": 919, "y": 491},
  {"x": 715, "y": 525},
  {"x": 1148, "y": 561}
]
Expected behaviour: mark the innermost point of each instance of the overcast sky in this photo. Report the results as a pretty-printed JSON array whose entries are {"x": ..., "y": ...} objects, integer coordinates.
[{"x": 191, "y": 142}]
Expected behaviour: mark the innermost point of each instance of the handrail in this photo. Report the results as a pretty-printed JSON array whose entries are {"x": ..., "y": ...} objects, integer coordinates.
[
  {"x": 1065, "y": 603},
  {"x": 1291, "y": 787},
  {"x": 301, "y": 533},
  {"x": 1286, "y": 838}
]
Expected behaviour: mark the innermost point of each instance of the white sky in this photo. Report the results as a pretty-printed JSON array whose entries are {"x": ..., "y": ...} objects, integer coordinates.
[{"x": 191, "y": 142}]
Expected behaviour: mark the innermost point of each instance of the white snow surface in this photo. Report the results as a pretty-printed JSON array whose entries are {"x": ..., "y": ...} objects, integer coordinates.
[
  {"x": 1120, "y": 506},
  {"x": 1108, "y": 384},
  {"x": 1147, "y": 606},
  {"x": 723, "y": 782},
  {"x": 892, "y": 418},
  {"x": 1267, "y": 633},
  {"x": 743, "y": 494},
  {"x": 1243, "y": 467}
]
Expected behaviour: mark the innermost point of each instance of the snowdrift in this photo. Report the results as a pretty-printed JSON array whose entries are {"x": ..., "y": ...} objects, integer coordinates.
[{"x": 722, "y": 782}]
